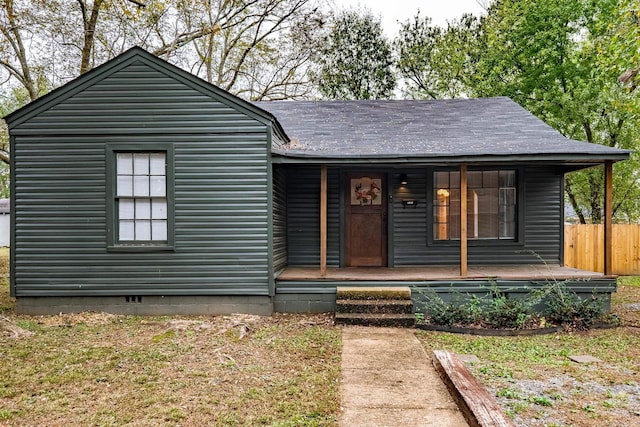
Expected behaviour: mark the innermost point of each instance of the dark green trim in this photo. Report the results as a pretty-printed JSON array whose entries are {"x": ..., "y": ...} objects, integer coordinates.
[
  {"x": 145, "y": 247},
  {"x": 12, "y": 217},
  {"x": 270, "y": 269},
  {"x": 112, "y": 218}
]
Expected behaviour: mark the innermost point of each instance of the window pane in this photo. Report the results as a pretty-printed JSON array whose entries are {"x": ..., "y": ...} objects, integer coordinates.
[
  {"x": 143, "y": 230},
  {"x": 441, "y": 219},
  {"x": 507, "y": 196},
  {"x": 490, "y": 179},
  {"x": 508, "y": 230},
  {"x": 125, "y": 208},
  {"x": 143, "y": 209},
  {"x": 159, "y": 230},
  {"x": 441, "y": 179},
  {"x": 125, "y": 185},
  {"x": 441, "y": 197},
  {"x": 507, "y": 178},
  {"x": 125, "y": 164},
  {"x": 454, "y": 180},
  {"x": 474, "y": 179},
  {"x": 126, "y": 230},
  {"x": 507, "y": 213},
  {"x": 141, "y": 186},
  {"x": 157, "y": 163},
  {"x": 454, "y": 214},
  {"x": 159, "y": 208},
  {"x": 141, "y": 164},
  {"x": 158, "y": 186}
]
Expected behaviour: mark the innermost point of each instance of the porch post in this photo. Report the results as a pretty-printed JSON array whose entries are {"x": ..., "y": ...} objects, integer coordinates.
[
  {"x": 608, "y": 213},
  {"x": 323, "y": 220},
  {"x": 463, "y": 220}
]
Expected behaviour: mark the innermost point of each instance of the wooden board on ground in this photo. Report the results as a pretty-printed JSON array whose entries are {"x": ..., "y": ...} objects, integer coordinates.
[{"x": 478, "y": 406}]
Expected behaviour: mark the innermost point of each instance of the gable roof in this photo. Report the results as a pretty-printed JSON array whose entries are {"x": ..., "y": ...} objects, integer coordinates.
[
  {"x": 485, "y": 129},
  {"x": 125, "y": 59}
]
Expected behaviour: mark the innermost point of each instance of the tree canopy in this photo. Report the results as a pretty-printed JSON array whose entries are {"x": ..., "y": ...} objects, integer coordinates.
[
  {"x": 355, "y": 61},
  {"x": 572, "y": 63}
]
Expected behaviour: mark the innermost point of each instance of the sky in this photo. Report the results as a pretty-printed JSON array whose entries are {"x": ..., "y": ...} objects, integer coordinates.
[{"x": 392, "y": 11}]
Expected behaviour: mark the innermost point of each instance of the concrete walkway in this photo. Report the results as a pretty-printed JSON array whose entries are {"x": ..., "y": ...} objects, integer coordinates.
[{"x": 388, "y": 380}]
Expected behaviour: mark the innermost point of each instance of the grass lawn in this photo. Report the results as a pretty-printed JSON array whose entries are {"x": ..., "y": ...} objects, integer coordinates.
[
  {"x": 108, "y": 370},
  {"x": 536, "y": 383},
  {"x": 284, "y": 370}
]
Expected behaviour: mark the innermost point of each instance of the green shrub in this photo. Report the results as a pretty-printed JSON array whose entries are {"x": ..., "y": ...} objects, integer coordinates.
[
  {"x": 461, "y": 310},
  {"x": 565, "y": 307},
  {"x": 497, "y": 309},
  {"x": 502, "y": 311}
]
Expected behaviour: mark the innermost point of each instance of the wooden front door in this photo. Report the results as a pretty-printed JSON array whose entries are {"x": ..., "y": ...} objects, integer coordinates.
[{"x": 366, "y": 220}]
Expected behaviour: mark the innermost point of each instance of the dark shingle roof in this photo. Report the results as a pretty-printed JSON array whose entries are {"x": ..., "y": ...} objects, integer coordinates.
[{"x": 440, "y": 128}]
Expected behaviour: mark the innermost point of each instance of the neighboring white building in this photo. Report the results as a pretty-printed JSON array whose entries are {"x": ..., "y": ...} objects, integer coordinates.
[{"x": 5, "y": 222}]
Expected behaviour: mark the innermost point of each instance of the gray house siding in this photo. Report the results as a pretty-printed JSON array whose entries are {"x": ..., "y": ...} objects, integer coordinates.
[{"x": 221, "y": 191}]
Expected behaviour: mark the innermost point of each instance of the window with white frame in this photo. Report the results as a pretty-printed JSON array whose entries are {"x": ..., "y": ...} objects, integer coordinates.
[{"x": 141, "y": 197}]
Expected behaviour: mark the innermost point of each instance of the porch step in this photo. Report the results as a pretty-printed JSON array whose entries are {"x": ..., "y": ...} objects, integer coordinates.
[
  {"x": 376, "y": 319},
  {"x": 374, "y": 292},
  {"x": 374, "y": 306}
]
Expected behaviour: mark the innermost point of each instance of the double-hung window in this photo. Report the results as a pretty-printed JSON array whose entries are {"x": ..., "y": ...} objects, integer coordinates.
[
  {"x": 141, "y": 203},
  {"x": 491, "y": 205}
]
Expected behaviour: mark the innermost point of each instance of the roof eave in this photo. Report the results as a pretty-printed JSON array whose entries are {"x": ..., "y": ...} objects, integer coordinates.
[{"x": 558, "y": 158}]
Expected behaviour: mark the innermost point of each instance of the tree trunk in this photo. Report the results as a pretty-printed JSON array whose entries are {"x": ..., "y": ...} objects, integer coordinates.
[
  {"x": 15, "y": 39},
  {"x": 90, "y": 23},
  {"x": 574, "y": 203}
]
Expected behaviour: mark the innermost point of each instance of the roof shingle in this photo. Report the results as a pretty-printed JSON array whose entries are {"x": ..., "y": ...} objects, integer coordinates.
[{"x": 434, "y": 128}]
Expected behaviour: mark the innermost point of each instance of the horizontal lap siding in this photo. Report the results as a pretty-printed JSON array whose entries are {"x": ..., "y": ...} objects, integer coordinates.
[
  {"x": 411, "y": 226},
  {"x": 220, "y": 183},
  {"x": 303, "y": 216},
  {"x": 279, "y": 219}
]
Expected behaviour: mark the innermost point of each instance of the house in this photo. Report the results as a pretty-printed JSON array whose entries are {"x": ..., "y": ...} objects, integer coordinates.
[{"x": 140, "y": 188}]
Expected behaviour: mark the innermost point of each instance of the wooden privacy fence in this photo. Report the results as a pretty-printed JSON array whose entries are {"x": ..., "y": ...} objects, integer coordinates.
[{"x": 584, "y": 248}]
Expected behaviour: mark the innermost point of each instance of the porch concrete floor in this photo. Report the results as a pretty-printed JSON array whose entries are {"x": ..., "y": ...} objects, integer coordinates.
[{"x": 507, "y": 272}]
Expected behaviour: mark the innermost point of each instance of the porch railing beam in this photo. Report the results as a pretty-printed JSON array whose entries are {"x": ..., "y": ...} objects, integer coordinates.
[
  {"x": 323, "y": 220},
  {"x": 608, "y": 217},
  {"x": 463, "y": 220}
]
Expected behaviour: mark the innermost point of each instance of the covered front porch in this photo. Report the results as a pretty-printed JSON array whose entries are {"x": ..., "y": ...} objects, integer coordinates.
[{"x": 309, "y": 289}]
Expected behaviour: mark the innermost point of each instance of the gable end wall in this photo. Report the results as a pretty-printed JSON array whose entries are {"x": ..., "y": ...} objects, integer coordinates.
[{"x": 221, "y": 192}]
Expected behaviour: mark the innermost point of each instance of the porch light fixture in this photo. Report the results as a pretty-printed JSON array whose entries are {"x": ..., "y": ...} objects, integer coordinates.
[{"x": 403, "y": 179}]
